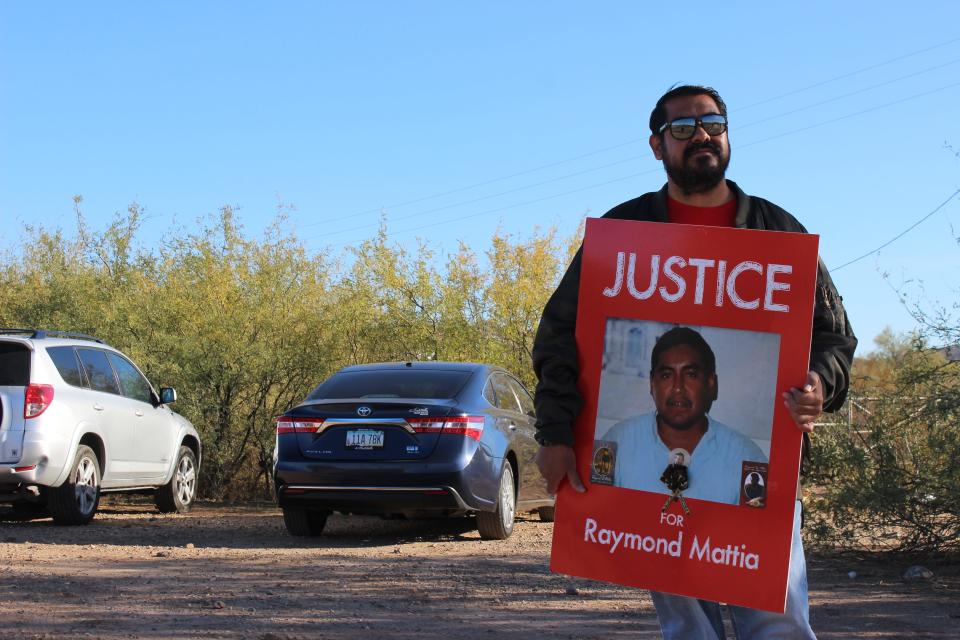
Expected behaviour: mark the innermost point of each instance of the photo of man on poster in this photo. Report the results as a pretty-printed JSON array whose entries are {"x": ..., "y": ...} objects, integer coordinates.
[
  {"x": 684, "y": 385},
  {"x": 753, "y": 488},
  {"x": 689, "y": 134}
]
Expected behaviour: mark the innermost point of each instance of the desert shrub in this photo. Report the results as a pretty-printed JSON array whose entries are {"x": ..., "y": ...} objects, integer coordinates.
[
  {"x": 887, "y": 474},
  {"x": 244, "y": 327}
]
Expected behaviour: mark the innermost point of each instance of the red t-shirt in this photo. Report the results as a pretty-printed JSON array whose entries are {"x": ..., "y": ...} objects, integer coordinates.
[{"x": 722, "y": 216}]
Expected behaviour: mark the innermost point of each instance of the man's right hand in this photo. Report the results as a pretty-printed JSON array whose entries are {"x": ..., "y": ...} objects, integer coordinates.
[{"x": 556, "y": 462}]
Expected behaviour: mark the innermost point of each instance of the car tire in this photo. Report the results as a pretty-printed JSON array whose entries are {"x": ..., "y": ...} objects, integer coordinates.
[
  {"x": 498, "y": 524},
  {"x": 178, "y": 494},
  {"x": 547, "y": 514},
  {"x": 29, "y": 510},
  {"x": 75, "y": 501},
  {"x": 304, "y": 522},
  {"x": 23, "y": 511}
]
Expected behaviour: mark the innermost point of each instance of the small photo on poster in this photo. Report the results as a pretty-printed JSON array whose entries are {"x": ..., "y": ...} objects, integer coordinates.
[
  {"x": 753, "y": 485},
  {"x": 604, "y": 462},
  {"x": 662, "y": 382}
]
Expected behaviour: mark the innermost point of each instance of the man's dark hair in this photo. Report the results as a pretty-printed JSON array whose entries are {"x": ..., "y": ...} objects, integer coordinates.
[
  {"x": 659, "y": 114},
  {"x": 683, "y": 335}
]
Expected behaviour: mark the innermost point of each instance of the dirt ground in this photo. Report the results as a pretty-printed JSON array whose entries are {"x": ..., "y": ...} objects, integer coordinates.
[{"x": 233, "y": 572}]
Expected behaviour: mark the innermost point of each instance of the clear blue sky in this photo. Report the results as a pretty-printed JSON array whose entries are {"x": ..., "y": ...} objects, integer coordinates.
[{"x": 488, "y": 115}]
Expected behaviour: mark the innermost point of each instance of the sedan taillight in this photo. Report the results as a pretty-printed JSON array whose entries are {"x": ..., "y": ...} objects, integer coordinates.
[
  {"x": 287, "y": 424},
  {"x": 469, "y": 426},
  {"x": 36, "y": 399}
]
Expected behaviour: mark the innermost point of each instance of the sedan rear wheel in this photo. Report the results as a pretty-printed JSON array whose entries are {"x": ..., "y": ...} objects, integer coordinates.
[
  {"x": 76, "y": 500},
  {"x": 498, "y": 524},
  {"x": 304, "y": 522},
  {"x": 25, "y": 511}
]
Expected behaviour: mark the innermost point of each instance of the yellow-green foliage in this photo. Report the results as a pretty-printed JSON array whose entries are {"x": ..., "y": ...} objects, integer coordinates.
[
  {"x": 244, "y": 328},
  {"x": 886, "y": 474}
]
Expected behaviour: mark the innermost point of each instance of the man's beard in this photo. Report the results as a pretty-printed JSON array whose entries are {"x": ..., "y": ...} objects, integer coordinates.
[{"x": 701, "y": 177}]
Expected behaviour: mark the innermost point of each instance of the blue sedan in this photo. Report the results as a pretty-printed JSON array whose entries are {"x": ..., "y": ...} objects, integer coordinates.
[{"x": 411, "y": 439}]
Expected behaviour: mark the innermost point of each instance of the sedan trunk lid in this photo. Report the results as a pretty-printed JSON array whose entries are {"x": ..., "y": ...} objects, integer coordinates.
[{"x": 363, "y": 430}]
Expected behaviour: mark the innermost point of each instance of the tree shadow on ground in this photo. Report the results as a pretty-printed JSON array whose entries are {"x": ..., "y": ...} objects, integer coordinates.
[{"x": 137, "y": 523}]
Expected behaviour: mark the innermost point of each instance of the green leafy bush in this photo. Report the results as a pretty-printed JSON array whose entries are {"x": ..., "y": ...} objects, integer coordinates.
[
  {"x": 887, "y": 476},
  {"x": 246, "y": 327}
]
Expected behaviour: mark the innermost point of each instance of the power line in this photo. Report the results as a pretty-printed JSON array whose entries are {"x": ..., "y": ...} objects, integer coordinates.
[
  {"x": 899, "y": 235},
  {"x": 850, "y": 115},
  {"x": 643, "y": 139},
  {"x": 506, "y": 208},
  {"x": 601, "y": 184},
  {"x": 848, "y": 75},
  {"x": 482, "y": 198},
  {"x": 847, "y": 95},
  {"x": 486, "y": 182},
  {"x": 605, "y": 166}
]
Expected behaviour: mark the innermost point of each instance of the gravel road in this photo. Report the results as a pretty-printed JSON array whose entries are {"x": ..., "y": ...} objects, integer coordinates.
[{"x": 233, "y": 572}]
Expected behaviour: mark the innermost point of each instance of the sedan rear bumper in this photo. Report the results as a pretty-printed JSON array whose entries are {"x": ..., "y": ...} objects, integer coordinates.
[
  {"x": 373, "y": 499},
  {"x": 462, "y": 485}
]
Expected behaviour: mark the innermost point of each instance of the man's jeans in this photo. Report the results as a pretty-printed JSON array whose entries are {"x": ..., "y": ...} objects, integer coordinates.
[{"x": 691, "y": 619}]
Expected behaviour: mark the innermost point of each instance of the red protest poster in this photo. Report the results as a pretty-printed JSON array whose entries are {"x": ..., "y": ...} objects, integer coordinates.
[{"x": 681, "y": 325}]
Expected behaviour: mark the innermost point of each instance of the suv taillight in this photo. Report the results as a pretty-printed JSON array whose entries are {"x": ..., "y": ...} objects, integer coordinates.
[{"x": 36, "y": 399}]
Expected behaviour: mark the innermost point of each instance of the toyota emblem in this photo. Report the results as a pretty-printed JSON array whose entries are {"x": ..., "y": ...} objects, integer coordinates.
[{"x": 363, "y": 412}]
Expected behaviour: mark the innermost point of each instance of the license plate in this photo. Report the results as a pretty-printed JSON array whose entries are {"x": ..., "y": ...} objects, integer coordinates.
[{"x": 364, "y": 439}]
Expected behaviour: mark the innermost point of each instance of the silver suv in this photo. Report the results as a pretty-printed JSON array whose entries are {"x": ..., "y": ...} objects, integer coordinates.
[{"x": 78, "y": 418}]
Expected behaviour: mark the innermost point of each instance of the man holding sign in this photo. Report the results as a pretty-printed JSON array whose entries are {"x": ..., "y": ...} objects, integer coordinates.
[{"x": 689, "y": 135}]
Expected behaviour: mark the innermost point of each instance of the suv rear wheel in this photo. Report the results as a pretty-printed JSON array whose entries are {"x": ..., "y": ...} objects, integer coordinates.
[
  {"x": 178, "y": 494},
  {"x": 304, "y": 522},
  {"x": 76, "y": 500}
]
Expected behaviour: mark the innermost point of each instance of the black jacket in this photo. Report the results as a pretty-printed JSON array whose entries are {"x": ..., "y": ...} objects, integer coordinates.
[{"x": 557, "y": 399}]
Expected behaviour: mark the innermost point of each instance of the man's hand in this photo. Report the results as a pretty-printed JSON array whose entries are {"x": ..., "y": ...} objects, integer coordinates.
[
  {"x": 805, "y": 404},
  {"x": 556, "y": 462}
]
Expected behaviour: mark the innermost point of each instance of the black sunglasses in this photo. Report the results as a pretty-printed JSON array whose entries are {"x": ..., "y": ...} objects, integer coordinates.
[{"x": 684, "y": 128}]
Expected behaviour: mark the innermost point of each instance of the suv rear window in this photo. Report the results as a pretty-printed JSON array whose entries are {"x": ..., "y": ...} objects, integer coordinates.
[
  {"x": 66, "y": 362},
  {"x": 14, "y": 365},
  {"x": 392, "y": 384}
]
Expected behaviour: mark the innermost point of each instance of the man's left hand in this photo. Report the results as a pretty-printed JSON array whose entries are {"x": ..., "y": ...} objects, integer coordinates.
[{"x": 805, "y": 403}]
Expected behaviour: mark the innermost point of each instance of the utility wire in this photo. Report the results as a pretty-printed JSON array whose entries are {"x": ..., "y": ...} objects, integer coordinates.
[
  {"x": 601, "y": 184},
  {"x": 486, "y": 182},
  {"x": 850, "y": 115},
  {"x": 505, "y": 208},
  {"x": 848, "y": 75},
  {"x": 899, "y": 235},
  {"x": 644, "y": 138},
  {"x": 605, "y": 166},
  {"x": 538, "y": 184},
  {"x": 488, "y": 197},
  {"x": 846, "y": 95}
]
